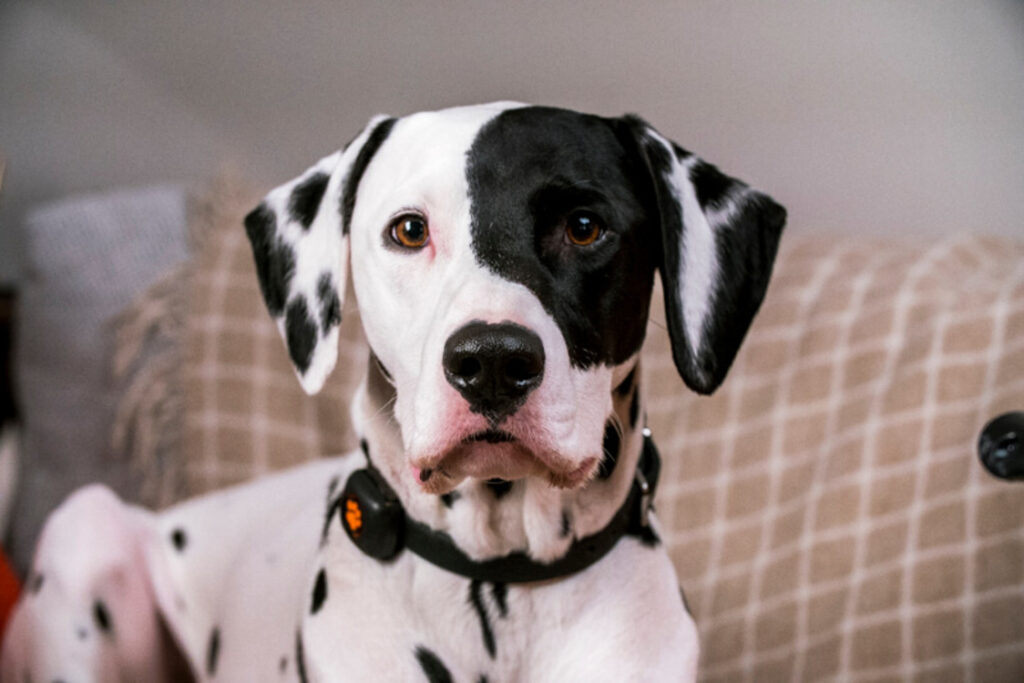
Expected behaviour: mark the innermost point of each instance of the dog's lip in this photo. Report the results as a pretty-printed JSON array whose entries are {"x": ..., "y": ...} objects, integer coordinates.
[
  {"x": 496, "y": 454},
  {"x": 490, "y": 436}
]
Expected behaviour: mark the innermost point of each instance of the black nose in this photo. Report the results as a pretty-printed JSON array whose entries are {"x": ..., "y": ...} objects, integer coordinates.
[{"x": 494, "y": 367}]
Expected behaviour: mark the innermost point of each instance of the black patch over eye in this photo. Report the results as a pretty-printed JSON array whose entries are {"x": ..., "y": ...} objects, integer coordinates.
[
  {"x": 583, "y": 228},
  {"x": 410, "y": 231}
]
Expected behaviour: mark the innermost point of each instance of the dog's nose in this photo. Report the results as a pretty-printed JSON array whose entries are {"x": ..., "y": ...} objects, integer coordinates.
[{"x": 493, "y": 366}]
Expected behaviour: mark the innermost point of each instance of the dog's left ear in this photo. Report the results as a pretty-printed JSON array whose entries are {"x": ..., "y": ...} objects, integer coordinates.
[
  {"x": 719, "y": 239},
  {"x": 299, "y": 237}
]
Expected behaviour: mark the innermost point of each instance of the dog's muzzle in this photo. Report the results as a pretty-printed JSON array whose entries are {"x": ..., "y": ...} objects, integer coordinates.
[{"x": 494, "y": 366}]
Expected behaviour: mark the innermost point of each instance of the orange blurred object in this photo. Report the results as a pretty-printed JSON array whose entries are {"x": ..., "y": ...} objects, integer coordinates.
[{"x": 9, "y": 590}]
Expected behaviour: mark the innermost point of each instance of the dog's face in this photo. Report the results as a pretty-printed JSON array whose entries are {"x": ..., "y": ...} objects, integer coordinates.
[{"x": 503, "y": 259}]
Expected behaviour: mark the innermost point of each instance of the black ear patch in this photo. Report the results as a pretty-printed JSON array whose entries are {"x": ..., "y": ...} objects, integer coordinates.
[
  {"x": 330, "y": 306},
  {"x": 305, "y": 199},
  {"x": 301, "y": 333},
  {"x": 348, "y": 194},
  {"x": 275, "y": 260}
]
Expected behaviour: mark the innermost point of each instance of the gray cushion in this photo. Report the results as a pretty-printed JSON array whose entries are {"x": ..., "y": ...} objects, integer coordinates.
[{"x": 86, "y": 259}]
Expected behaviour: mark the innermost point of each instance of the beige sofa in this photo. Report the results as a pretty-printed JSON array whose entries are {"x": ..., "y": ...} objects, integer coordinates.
[{"x": 825, "y": 509}]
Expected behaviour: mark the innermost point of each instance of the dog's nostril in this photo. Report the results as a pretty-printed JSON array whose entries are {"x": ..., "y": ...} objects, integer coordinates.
[
  {"x": 522, "y": 369},
  {"x": 468, "y": 367}
]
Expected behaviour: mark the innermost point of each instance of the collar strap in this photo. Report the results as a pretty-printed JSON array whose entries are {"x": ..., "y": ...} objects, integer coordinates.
[{"x": 375, "y": 520}]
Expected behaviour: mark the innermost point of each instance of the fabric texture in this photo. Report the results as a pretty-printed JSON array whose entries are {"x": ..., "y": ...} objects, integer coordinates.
[
  {"x": 86, "y": 257},
  {"x": 245, "y": 412},
  {"x": 147, "y": 366},
  {"x": 825, "y": 509}
]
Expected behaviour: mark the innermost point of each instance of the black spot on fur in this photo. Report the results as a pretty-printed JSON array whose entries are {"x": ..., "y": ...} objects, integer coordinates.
[
  {"x": 102, "y": 617},
  {"x": 332, "y": 486},
  {"x": 348, "y": 194},
  {"x": 179, "y": 539},
  {"x": 330, "y": 306},
  {"x": 37, "y": 583},
  {"x": 499, "y": 592},
  {"x": 319, "y": 591},
  {"x": 499, "y": 487},
  {"x": 275, "y": 260},
  {"x": 434, "y": 669},
  {"x": 301, "y": 332},
  {"x": 627, "y": 384},
  {"x": 477, "y": 602},
  {"x": 282, "y": 664},
  {"x": 305, "y": 199},
  {"x": 81, "y": 633},
  {"x": 300, "y": 658},
  {"x": 611, "y": 446},
  {"x": 482, "y": 679},
  {"x": 529, "y": 170},
  {"x": 566, "y": 525},
  {"x": 213, "y": 651},
  {"x": 448, "y": 499},
  {"x": 634, "y": 409}
]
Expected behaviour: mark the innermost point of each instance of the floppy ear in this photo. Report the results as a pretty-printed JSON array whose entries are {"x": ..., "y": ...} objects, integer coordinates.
[
  {"x": 299, "y": 237},
  {"x": 719, "y": 239}
]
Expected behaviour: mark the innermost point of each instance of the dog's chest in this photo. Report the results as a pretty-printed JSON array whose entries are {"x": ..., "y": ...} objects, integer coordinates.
[{"x": 260, "y": 584}]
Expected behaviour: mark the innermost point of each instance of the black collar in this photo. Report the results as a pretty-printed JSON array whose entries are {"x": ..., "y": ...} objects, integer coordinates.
[{"x": 376, "y": 522}]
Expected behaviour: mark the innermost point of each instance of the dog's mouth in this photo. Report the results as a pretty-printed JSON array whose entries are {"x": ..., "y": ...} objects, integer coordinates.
[
  {"x": 497, "y": 454},
  {"x": 490, "y": 436}
]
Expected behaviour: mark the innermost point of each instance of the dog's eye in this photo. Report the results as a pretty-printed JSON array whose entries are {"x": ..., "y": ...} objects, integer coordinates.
[
  {"x": 410, "y": 231},
  {"x": 583, "y": 228}
]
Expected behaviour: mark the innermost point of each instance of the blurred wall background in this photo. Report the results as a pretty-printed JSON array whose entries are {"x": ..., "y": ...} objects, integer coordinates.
[{"x": 874, "y": 117}]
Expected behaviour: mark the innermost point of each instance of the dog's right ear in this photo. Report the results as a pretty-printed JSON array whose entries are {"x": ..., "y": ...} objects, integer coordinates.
[{"x": 299, "y": 237}]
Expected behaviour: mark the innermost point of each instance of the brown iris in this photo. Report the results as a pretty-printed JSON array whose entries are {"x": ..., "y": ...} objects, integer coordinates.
[
  {"x": 583, "y": 229},
  {"x": 410, "y": 231}
]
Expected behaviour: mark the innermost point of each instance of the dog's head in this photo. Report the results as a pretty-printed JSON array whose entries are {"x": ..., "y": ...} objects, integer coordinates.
[{"x": 503, "y": 258}]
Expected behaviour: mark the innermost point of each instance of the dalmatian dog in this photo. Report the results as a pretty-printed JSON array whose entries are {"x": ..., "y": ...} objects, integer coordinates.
[{"x": 495, "y": 523}]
